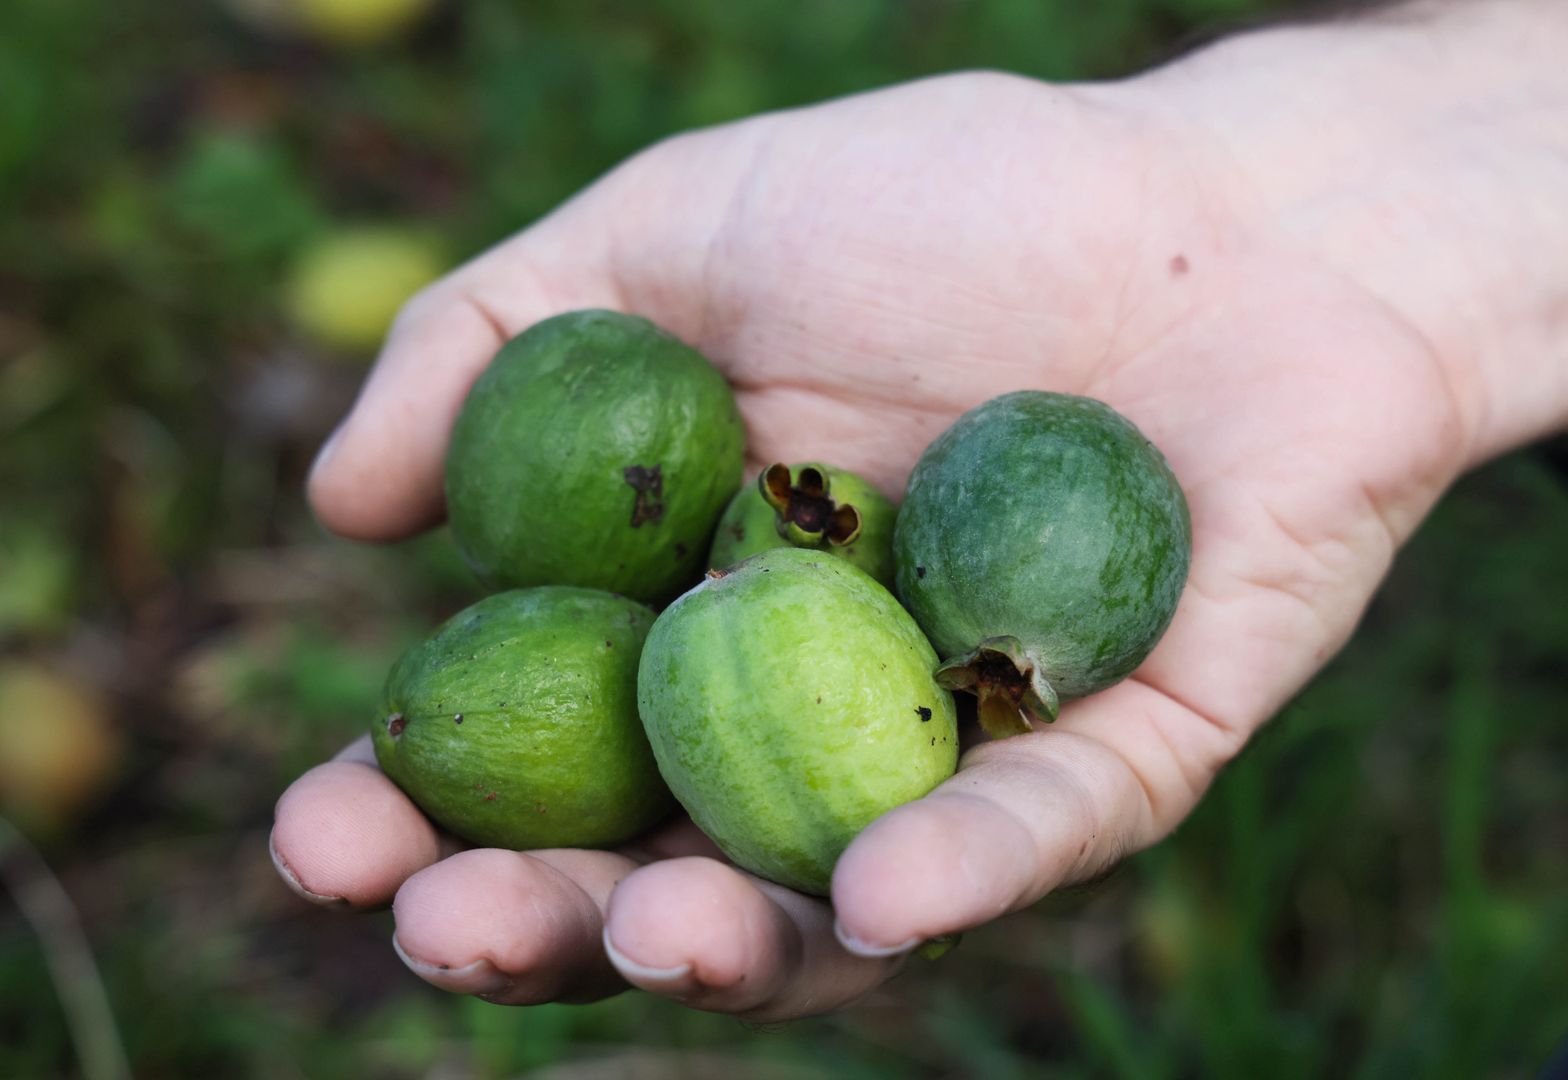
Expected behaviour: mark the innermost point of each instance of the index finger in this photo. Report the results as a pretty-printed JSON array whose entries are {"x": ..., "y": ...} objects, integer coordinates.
[{"x": 344, "y": 835}]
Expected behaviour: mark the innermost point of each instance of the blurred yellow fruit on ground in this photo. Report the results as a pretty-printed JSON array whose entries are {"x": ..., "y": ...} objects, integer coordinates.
[
  {"x": 356, "y": 22},
  {"x": 58, "y": 747},
  {"x": 347, "y": 287}
]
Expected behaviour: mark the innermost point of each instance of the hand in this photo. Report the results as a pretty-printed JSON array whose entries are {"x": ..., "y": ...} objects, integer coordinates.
[{"x": 863, "y": 272}]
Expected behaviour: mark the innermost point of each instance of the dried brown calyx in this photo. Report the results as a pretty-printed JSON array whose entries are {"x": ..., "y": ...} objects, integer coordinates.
[
  {"x": 1007, "y": 680},
  {"x": 807, "y": 514}
]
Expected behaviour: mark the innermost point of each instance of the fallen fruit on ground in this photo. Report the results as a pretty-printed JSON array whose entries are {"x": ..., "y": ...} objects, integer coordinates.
[
  {"x": 595, "y": 450},
  {"x": 356, "y": 22},
  {"x": 59, "y": 748},
  {"x": 809, "y": 506},
  {"x": 1042, "y": 545},
  {"x": 515, "y": 724},
  {"x": 790, "y": 702},
  {"x": 348, "y": 286}
]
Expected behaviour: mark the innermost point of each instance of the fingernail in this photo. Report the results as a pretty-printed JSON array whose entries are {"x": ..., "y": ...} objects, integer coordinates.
[
  {"x": 871, "y": 952},
  {"x": 328, "y": 448},
  {"x": 642, "y": 974},
  {"x": 480, "y": 977},
  {"x": 292, "y": 881}
]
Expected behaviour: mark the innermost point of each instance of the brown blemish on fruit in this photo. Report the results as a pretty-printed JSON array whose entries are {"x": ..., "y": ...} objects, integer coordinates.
[
  {"x": 489, "y": 796},
  {"x": 608, "y": 644},
  {"x": 920, "y": 571},
  {"x": 680, "y": 551},
  {"x": 925, "y": 713},
  {"x": 738, "y": 531},
  {"x": 457, "y": 718},
  {"x": 648, "y": 483},
  {"x": 395, "y": 724},
  {"x": 714, "y": 575}
]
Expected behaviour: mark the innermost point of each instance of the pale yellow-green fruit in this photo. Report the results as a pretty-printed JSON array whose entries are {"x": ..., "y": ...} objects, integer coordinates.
[
  {"x": 335, "y": 23},
  {"x": 58, "y": 747},
  {"x": 346, "y": 289},
  {"x": 356, "y": 22}
]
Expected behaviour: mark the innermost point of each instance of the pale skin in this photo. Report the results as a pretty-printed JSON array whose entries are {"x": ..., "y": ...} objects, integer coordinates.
[{"x": 1324, "y": 268}]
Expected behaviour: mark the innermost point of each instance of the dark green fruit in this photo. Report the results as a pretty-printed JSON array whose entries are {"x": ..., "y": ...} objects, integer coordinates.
[
  {"x": 515, "y": 724},
  {"x": 1043, "y": 544},
  {"x": 790, "y": 702},
  {"x": 809, "y": 506},
  {"x": 595, "y": 450}
]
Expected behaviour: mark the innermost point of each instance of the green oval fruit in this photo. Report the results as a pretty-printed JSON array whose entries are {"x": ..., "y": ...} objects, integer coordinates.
[
  {"x": 790, "y": 702},
  {"x": 1042, "y": 545},
  {"x": 595, "y": 450},
  {"x": 809, "y": 506},
  {"x": 515, "y": 724}
]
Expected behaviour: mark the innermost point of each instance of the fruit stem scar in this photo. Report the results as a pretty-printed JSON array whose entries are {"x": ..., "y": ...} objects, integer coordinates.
[
  {"x": 1007, "y": 680},
  {"x": 648, "y": 484},
  {"x": 806, "y": 515}
]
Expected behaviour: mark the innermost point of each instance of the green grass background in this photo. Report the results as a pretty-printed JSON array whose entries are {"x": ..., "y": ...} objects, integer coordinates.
[{"x": 1376, "y": 888}]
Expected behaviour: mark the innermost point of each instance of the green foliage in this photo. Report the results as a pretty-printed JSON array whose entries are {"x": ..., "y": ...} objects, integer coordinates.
[
  {"x": 240, "y": 197},
  {"x": 1375, "y": 888},
  {"x": 35, "y": 577}
]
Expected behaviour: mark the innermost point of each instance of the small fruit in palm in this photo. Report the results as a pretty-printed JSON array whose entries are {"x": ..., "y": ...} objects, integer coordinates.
[
  {"x": 1042, "y": 545},
  {"x": 811, "y": 506}
]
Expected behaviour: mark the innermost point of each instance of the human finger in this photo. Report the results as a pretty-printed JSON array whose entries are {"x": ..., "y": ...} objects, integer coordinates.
[
  {"x": 712, "y": 937},
  {"x": 344, "y": 835},
  {"x": 512, "y": 927},
  {"x": 1025, "y": 815},
  {"x": 379, "y": 476}
]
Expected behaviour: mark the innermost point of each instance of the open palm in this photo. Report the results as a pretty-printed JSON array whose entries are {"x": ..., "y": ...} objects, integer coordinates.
[{"x": 863, "y": 272}]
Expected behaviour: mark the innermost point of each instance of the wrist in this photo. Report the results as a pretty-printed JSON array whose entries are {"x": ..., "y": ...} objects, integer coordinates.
[{"x": 1422, "y": 153}]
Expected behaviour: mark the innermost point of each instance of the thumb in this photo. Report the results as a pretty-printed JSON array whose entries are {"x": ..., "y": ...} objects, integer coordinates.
[{"x": 635, "y": 241}]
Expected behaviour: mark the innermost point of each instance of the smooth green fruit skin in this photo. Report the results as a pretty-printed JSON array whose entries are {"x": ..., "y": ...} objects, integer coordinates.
[
  {"x": 537, "y": 482},
  {"x": 789, "y": 704},
  {"x": 549, "y": 751},
  {"x": 1049, "y": 518},
  {"x": 749, "y": 525}
]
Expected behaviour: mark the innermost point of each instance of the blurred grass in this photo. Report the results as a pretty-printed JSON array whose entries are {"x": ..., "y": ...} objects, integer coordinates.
[{"x": 1376, "y": 888}]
